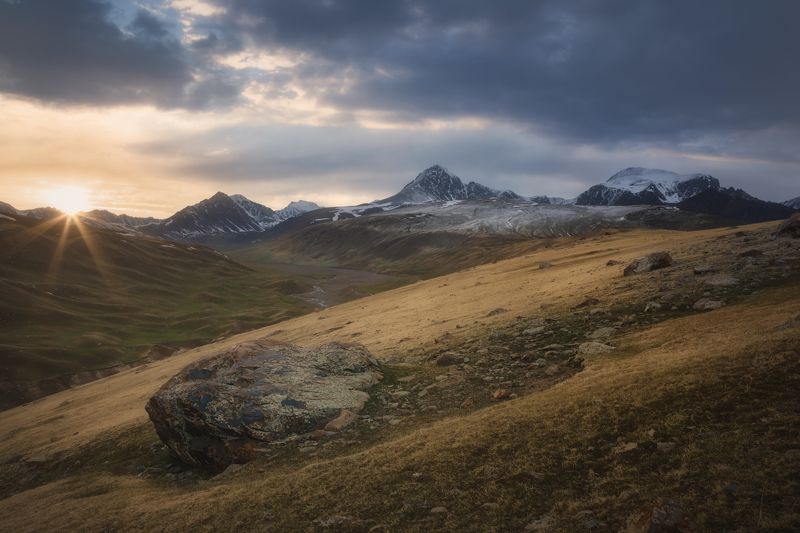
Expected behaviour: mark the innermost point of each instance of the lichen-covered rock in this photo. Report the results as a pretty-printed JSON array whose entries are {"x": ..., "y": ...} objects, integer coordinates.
[
  {"x": 790, "y": 227},
  {"x": 648, "y": 263},
  {"x": 218, "y": 411}
]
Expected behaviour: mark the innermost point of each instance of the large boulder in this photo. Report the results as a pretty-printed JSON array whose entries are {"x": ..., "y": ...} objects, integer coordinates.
[
  {"x": 790, "y": 227},
  {"x": 649, "y": 263},
  {"x": 220, "y": 410}
]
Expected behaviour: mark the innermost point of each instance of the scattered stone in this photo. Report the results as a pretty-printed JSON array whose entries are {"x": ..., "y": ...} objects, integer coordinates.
[
  {"x": 789, "y": 228},
  {"x": 545, "y": 264},
  {"x": 652, "y": 307},
  {"x": 217, "y": 411},
  {"x": 588, "y": 302},
  {"x": 702, "y": 270},
  {"x": 665, "y": 446},
  {"x": 648, "y": 263},
  {"x": 706, "y": 304},
  {"x": 439, "y": 510},
  {"x": 338, "y": 523},
  {"x": 753, "y": 252},
  {"x": 661, "y": 517},
  {"x": 722, "y": 281},
  {"x": 495, "y": 312},
  {"x": 602, "y": 333},
  {"x": 594, "y": 348},
  {"x": 613, "y": 262},
  {"x": 501, "y": 394},
  {"x": 447, "y": 359},
  {"x": 544, "y": 523},
  {"x": 37, "y": 459},
  {"x": 534, "y": 331},
  {"x": 626, "y": 447}
]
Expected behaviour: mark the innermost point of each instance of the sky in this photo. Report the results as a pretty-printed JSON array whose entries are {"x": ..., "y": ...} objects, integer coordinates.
[{"x": 152, "y": 105}]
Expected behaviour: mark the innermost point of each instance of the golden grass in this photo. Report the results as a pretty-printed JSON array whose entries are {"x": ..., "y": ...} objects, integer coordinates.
[
  {"x": 391, "y": 324},
  {"x": 721, "y": 385}
]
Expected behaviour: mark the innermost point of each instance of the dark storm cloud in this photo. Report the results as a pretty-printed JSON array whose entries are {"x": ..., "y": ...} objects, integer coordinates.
[
  {"x": 71, "y": 52},
  {"x": 597, "y": 71}
]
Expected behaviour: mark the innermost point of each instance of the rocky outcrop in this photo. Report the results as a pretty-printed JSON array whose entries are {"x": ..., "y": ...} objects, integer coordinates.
[
  {"x": 649, "y": 263},
  {"x": 220, "y": 410},
  {"x": 790, "y": 227}
]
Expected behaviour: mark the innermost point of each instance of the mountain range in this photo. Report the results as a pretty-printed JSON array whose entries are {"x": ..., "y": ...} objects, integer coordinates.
[{"x": 222, "y": 215}]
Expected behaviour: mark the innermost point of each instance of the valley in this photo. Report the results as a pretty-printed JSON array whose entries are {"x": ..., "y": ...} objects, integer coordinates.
[{"x": 81, "y": 302}]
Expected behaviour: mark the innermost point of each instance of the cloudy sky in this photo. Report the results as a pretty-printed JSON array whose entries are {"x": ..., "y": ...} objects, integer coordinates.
[{"x": 152, "y": 105}]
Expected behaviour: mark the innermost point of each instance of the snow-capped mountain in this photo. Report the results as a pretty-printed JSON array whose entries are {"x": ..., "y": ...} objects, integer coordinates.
[
  {"x": 436, "y": 184},
  {"x": 222, "y": 215},
  {"x": 261, "y": 214},
  {"x": 637, "y": 185},
  {"x": 294, "y": 209},
  {"x": 793, "y": 203}
]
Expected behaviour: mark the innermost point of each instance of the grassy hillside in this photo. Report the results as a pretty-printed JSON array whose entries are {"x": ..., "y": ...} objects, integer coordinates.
[
  {"x": 383, "y": 245},
  {"x": 78, "y": 298},
  {"x": 695, "y": 411}
]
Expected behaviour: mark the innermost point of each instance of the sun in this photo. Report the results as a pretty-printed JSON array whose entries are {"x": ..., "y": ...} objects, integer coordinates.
[{"x": 70, "y": 199}]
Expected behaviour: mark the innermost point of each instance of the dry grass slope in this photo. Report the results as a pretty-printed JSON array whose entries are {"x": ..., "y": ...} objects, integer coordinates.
[{"x": 710, "y": 401}]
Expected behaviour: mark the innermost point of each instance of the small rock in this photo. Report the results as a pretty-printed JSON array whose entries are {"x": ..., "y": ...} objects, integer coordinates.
[
  {"x": 648, "y": 263},
  {"x": 662, "y": 517},
  {"x": 665, "y": 446},
  {"x": 544, "y": 523},
  {"x": 552, "y": 370},
  {"x": 702, "y": 270},
  {"x": 652, "y": 307},
  {"x": 626, "y": 447},
  {"x": 545, "y": 264},
  {"x": 447, "y": 359},
  {"x": 706, "y": 304},
  {"x": 439, "y": 510},
  {"x": 501, "y": 394},
  {"x": 753, "y": 252},
  {"x": 602, "y": 333},
  {"x": 722, "y": 281},
  {"x": 613, "y": 262},
  {"x": 594, "y": 348},
  {"x": 534, "y": 331},
  {"x": 588, "y": 302},
  {"x": 344, "y": 419},
  {"x": 495, "y": 312}
]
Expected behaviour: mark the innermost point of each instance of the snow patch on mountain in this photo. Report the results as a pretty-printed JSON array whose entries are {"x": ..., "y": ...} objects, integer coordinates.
[
  {"x": 794, "y": 203},
  {"x": 647, "y": 186}
]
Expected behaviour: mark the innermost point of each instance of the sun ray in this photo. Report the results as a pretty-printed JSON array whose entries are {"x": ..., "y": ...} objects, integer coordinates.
[
  {"x": 55, "y": 262},
  {"x": 97, "y": 256},
  {"x": 31, "y": 234}
]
